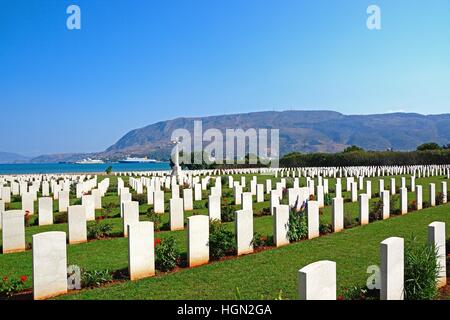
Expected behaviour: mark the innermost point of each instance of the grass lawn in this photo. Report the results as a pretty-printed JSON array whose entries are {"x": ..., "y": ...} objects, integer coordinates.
[{"x": 264, "y": 273}]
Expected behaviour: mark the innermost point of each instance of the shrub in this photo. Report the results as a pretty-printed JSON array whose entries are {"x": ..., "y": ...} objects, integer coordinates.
[
  {"x": 325, "y": 228},
  {"x": 95, "y": 278},
  {"x": 349, "y": 221},
  {"x": 298, "y": 225},
  {"x": 328, "y": 199},
  {"x": 141, "y": 198},
  {"x": 224, "y": 180},
  {"x": 156, "y": 218},
  {"x": 9, "y": 287},
  {"x": 263, "y": 212},
  {"x": 412, "y": 207},
  {"x": 198, "y": 205},
  {"x": 221, "y": 240},
  {"x": 260, "y": 241},
  {"x": 289, "y": 183},
  {"x": 99, "y": 230},
  {"x": 61, "y": 217},
  {"x": 166, "y": 253},
  {"x": 227, "y": 214},
  {"x": 439, "y": 199},
  {"x": 376, "y": 212},
  {"x": 421, "y": 271}
]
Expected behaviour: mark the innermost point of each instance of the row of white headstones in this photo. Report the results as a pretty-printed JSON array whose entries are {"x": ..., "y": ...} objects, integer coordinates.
[{"x": 316, "y": 281}]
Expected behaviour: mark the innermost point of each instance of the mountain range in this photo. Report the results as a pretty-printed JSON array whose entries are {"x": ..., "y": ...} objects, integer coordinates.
[{"x": 302, "y": 131}]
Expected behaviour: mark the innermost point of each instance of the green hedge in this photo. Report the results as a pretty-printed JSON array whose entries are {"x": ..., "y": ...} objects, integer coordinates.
[{"x": 366, "y": 158}]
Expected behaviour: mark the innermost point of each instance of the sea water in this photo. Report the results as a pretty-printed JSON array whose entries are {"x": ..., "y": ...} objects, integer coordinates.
[{"x": 36, "y": 168}]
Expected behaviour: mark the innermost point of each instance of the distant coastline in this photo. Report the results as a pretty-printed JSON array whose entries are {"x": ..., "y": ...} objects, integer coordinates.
[{"x": 67, "y": 168}]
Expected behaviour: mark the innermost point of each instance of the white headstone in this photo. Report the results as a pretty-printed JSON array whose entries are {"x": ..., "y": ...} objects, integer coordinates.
[
  {"x": 313, "y": 219},
  {"x": 198, "y": 240},
  {"x": 432, "y": 194},
  {"x": 385, "y": 196},
  {"x": 89, "y": 202},
  {"x": 247, "y": 201},
  {"x": 45, "y": 211},
  {"x": 317, "y": 281},
  {"x": 141, "y": 250},
  {"x": 437, "y": 238},
  {"x": 13, "y": 233},
  {"x": 403, "y": 200},
  {"x": 419, "y": 198},
  {"x": 363, "y": 209},
  {"x": 130, "y": 214},
  {"x": 281, "y": 225},
  {"x": 338, "y": 214},
  {"x": 214, "y": 209},
  {"x": 77, "y": 224},
  {"x": 188, "y": 200},
  {"x": 49, "y": 264},
  {"x": 244, "y": 231},
  {"x": 63, "y": 201},
  {"x": 176, "y": 214},
  {"x": 159, "y": 201},
  {"x": 392, "y": 269}
]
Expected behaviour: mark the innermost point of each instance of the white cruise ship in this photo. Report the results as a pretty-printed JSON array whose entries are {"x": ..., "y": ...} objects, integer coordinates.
[
  {"x": 90, "y": 161},
  {"x": 137, "y": 160}
]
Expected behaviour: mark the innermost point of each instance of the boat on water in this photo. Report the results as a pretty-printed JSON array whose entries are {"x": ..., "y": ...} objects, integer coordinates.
[
  {"x": 90, "y": 161},
  {"x": 137, "y": 160}
]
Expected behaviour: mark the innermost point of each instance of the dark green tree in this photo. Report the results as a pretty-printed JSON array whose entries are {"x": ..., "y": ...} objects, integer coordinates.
[
  {"x": 429, "y": 146},
  {"x": 353, "y": 148}
]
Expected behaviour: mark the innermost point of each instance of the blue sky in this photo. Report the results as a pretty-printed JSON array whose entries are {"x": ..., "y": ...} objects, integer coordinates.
[{"x": 137, "y": 62}]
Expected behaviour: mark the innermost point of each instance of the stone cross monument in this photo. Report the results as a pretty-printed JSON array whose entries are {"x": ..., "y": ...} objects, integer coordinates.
[{"x": 176, "y": 170}]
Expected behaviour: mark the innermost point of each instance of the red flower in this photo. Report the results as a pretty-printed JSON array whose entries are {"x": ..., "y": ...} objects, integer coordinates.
[
  {"x": 23, "y": 278},
  {"x": 5, "y": 278},
  {"x": 340, "y": 297},
  {"x": 157, "y": 241}
]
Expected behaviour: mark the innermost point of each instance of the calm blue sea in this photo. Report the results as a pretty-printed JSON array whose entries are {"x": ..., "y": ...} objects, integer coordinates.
[{"x": 78, "y": 168}]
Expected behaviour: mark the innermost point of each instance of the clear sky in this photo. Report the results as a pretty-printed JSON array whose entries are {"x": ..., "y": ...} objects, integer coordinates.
[{"x": 136, "y": 62}]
